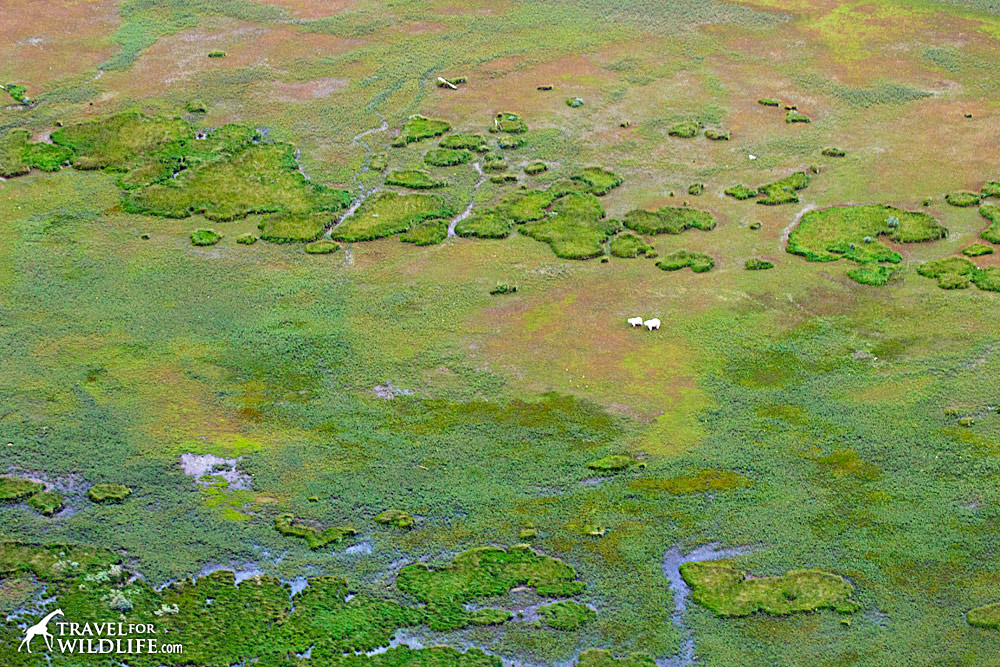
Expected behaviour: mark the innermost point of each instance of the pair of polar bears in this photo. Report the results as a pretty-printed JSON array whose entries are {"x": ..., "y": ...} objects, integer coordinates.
[{"x": 649, "y": 324}]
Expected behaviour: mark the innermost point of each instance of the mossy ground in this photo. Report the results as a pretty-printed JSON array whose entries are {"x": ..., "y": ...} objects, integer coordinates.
[
  {"x": 108, "y": 493},
  {"x": 699, "y": 262},
  {"x": 415, "y": 179},
  {"x": 389, "y": 213},
  {"x": 669, "y": 220},
  {"x": 577, "y": 228}
]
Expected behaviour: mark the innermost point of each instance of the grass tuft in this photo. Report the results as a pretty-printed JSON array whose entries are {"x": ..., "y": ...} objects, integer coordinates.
[{"x": 699, "y": 262}]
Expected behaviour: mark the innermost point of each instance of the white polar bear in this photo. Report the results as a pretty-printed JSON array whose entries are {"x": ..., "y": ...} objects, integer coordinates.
[
  {"x": 635, "y": 321},
  {"x": 652, "y": 324}
]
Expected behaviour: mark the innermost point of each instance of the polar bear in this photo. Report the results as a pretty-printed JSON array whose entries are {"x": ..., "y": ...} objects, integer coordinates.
[
  {"x": 635, "y": 321},
  {"x": 652, "y": 324}
]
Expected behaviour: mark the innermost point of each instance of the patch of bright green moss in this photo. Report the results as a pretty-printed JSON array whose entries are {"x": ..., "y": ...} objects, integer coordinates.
[
  {"x": 470, "y": 142},
  {"x": 576, "y": 229},
  {"x": 488, "y": 224},
  {"x": 46, "y": 502},
  {"x": 756, "y": 264},
  {"x": 842, "y": 231},
  {"x": 977, "y": 250},
  {"x": 727, "y": 591},
  {"x": 783, "y": 191},
  {"x": 699, "y": 262},
  {"x": 415, "y": 179},
  {"x": 950, "y": 272},
  {"x": 684, "y": 130},
  {"x": 566, "y": 615},
  {"x": 628, "y": 245},
  {"x": 286, "y": 524},
  {"x": 18, "y": 155},
  {"x": 418, "y": 127},
  {"x": 741, "y": 192},
  {"x": 108, "y": 493},
  {"x": 669, "y": 220},
  {"x": 962, "y": 198},
  {"x": 717, "y": 135},
  {"x": 704, "y": 480},
  {"x": 984, "y": 617},
  {"x": 294, "y": 227},
  {"x": 612, "y": 463},
  {"x": 447, "y": 157},
  {"x": 872, "y": 274},
  {"x": 322, "y": 247},
  {"x": 992, "y": 213},
  {"x": 389, "y": 213},
  {"x": 526, "y": 205},
  {"x": 428, "y": 232},
  {"x": 16, "y": 489},
  {"x": 535, "y": 168},
  {"x": 397, "y": 518},
  {"x": 205, "y": 237},
  {"x": 598, "y": 657}
]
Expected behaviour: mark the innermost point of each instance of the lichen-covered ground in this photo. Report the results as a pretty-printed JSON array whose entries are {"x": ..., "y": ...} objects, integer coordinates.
[{"x": 301, "y": 317}]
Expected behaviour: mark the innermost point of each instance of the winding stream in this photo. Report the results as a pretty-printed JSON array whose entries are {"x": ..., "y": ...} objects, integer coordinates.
[{"x": 472, "y": 200}]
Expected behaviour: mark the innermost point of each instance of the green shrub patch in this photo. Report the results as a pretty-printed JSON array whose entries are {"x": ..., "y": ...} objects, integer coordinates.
[
  {"x": 756, "y": 264},
  {"x": 322, "y": 247},
  {"x": 294, "y": 227},
  {"x": 509, "y": 142},
  {"x": 118, "y": 141},
  {"x": 992, "y": 213},
  {"x": 567, "y": 186},
  {"x": 872, "y": 274},
  {"x": 628, "y": 245},
  {"x": 852, "y": 231},
  {"x": 951, "y": 272},
  {"x": 415, "y": 179},
  {"x": 576, "y": 229},
  {"x": 535, "y": 168},
  {"x": 990, "y": 189},
  {"x": 389, "y": 213},
  {"x": 962, "y": 198},
  {"x": 684, "y": 130},
  {"x": 769, "y": 102},
  {"x": 17, "y": 92},
  {"x": 469, "y": 142},
  {"x": 696, "y": 189},
  {"x": 727, "y": 591},
  {"x": 566, "y": 615},
  {"x": 783, "y": 191},
  {"x": 494, "y": 162},
  {"x": 246, "y": 239},
  {"x": 46, "y": 502},
  {"x": 428, "y": 232},
  {"x": 488, "y": 224},
  {"x": 286, "y": 524},
  {"x": 599, "y": 657},
  {"x": 699, "y": 262},
  {"x": 481, "y": 573},
  {"x": 984, "y": 617},
  {"x": 508, "y": 122},
  {"x": 418, "y": 127},
  {"x": 18, "y": 155},
  {"x": 216, "y": 54},
  {"x": 446, "y": 157},
  {"x": 740, "y": 192},
  {"x": 834, "y": 152},
  {"x": 669, "y": 220},
  {"x": 397, "y": 518},
  {"x": 108, "y": 493},
  {"x": 987, "y": 279},
  {"x": 526, "y": 205},
  {"x": 503, "y": 178},
  {"x": 205, "y": 237},
  {"x": 717, "y": 135},
  {"x": 794, "y": 116},
  {"x": 612, "y": 463},
  {"x": 16, "y": 489},
  {"x": 505, "y": 288},
  {"x": 977, "y": 250}
]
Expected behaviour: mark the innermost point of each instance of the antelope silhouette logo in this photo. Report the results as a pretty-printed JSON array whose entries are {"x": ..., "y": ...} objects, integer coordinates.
[{"x": 40, "y": 628}]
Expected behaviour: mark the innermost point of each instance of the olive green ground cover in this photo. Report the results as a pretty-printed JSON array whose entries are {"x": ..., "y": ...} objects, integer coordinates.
[
  {"x": 566, "y": 615},
  {"x": 415, "y": 179},
  {"x": 108, "y": 493},
  {"x": 992, "y": 213},
  {"x": 669, "y": 220},
  {"x": 628, "y": 245},
  {"x": 471, "y": 142},
  {"x": 286, "y": 524},
  {"x": 418, "y": 127},
  {"x": 783, "y": 191},
  {"x": 443, "y": 157},
  {"x": 576, "y": 228},
  {"x": 959, "y": 273},
  {"x": 16, "y": 489},
  {"x": 698, "y": 261},
  {"x": 428, "y": 232},
  {"x": 987, "y": 616},
  {"x": 387, "y": 213},
  {"x": 485, "y": 224},
  {"x": 727, "y": 591},
  {"x": 294, "y": 227}
]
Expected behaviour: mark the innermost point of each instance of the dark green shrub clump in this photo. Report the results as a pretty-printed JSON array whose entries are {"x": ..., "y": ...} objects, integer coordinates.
[
  {"x": 696, "y": 189},
  {"x": 977, "y": 250},
  {"x": 322, "y": 247},
  {"x": 756, "y": 264},
  {"x": 494, "y": 162},
  {"x": 783, "y": 191},
  {"x": 699, "y": 262},
  {"x": 769, "y": 102},
  {"x": 415, "y": 179},
  {"x": 418, "y": 127},
  {"x": 16, "y": 489},
  {"x": 740, "y": 192},
  {"x": 628, "y": 245},
  {"x": 108, "y": 493},
  {"x": 834, "y": 152},
  {"x": 428, "y": 232},
  {"x": 950, "y": 272},
  {"x": 992, "y": 213},
  {"x": 446, "y": 157},
  {"x": 684, "y": 130},
  {"x": 510, "y": 142},
  {"x": 669, "y": 220},
  {"x": 196, "y": 106},
  {"x": 503, "y": 178},
  {"x": 717, "y": 135},
  {"x": 503, "y": 288},
  {"x": 990, "y": 189},
  {"x": 488, "y": 224},
  {"x": 535, "y": 168},
  {"x": 470, "y": 142},
  {"x": 18, "y": 93},
  {"x": 794, "y": 116},
  {"x": 205, "y": 237},
  {"x": 962, "y": 198},
  {"x": 216, "y": 54}
]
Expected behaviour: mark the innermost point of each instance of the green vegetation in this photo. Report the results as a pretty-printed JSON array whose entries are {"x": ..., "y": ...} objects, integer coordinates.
[
  {"x": 503, "y": 178},
  {"x": 684, "y": 130},
  {"x": 108, "y": 493},
  {"x": 612, "y": 463},
  {"x": 951, "y": 272},
  {"x": 576, "y": 229},
  {"x": 598, "y": 657},
  {"x": 726, "y": 591},
  {"x": 46, "y": 502},
  {"x": 741, "y": 192},
  {"x": 397, "y": 518},
  {"x": 294, "y": 227},
  {"x": 574, "y": 102},
  {"x": 872, "y": 274},
  {"x": 757, "y": 264},
  {"x": 388, "y": 213},
  {"x": 717, "y": 135},
  {"x": 447, "y": 157},
  {"x": 977, "y": 250},
  {"x": 488, "y": 224},
  {"x": 669, "y": 220},
  {"x": 566, "y": 615},
  {"x": 696, "y": 189},
  {"x": 482, "y": 573},
  {"x": 418, "y": 127},
  {"x": 216, "y": 54},
  {"x": 703, "y": 480},
  {"x": 794, "y": 116},
  {"x": 783, "y": 191},
  {"x": 769, "y": 102},
  {"x": 699, "y": 262},
  {"x": 205, "y": 237},
  {"x": 494, "y": 162},
  {"x": 246, "y": 239},
  {"x": 984, "y": 617},
  {"x": 834, "y": 152},
  {"x": 990, "y": 189},
  {"x": 16, "y": 489},
  {"x": 535, "y": 168},
  {"x": 470, "y": 142},
  {"x": 526, "y": 205},
  {"x": 317, "y": 538},
  {"x": 510, "y": 142},
  {"x": 992, "y": 213},
  {"x": 415, "y": 179},
  {"x": 962, "y": 198},
  {"x": 599, "y": 181},
  {"x": 321, "y": 247},
  {"x": 17, "y": 92},
  {"x": 196, "y": 106},
  {"x": 508, "y": 122},
  {"x": 428, "y": 232},
  {"x": 18, "y": 155},
  {"x": 851, "y": 231},
  {"x": 504, "y": 288},
  {"x": 628, "y": 245}
]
